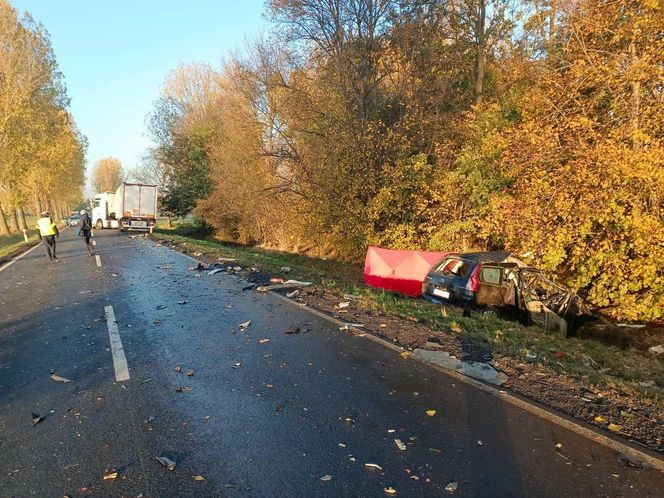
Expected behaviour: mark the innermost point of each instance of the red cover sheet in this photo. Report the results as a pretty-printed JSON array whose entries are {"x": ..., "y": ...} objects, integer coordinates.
[{"x": 399, "y": 271}]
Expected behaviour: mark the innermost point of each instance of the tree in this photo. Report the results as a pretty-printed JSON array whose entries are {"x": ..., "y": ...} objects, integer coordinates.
[{"x": 107, "y": 175}]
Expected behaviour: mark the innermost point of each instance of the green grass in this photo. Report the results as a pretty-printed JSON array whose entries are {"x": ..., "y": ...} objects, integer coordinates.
[
  {"x": 14, "y": 242},
  {"x": 595, "y": 362}
]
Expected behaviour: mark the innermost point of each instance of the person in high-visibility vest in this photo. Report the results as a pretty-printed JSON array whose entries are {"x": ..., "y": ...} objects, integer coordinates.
[{"x": 48, "y": 231}]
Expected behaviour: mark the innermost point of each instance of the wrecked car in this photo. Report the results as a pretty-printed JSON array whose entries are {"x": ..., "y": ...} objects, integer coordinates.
[{"x": 498, "y": 284}]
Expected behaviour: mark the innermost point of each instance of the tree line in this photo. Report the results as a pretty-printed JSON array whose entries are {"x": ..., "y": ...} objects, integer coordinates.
[
  {"x": 533, "y": 126},
  {"x": 42, "y": 152}
]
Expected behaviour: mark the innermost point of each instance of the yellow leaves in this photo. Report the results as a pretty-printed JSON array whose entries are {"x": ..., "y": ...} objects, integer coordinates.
[
  {"x": 614, "y": 427},
  {"x": 431, "y": 413}
]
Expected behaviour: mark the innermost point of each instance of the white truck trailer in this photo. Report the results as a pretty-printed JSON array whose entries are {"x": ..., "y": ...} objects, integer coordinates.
[
  {"x": 136, "y": 206},
  {"x": 103, "y": 211}
]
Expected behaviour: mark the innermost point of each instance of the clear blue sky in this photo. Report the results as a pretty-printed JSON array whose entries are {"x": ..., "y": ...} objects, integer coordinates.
[{"x": 115, "y": 55}]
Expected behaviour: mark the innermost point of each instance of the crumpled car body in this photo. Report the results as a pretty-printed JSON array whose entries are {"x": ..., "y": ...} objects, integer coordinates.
[{"x": 498, "y": 284}]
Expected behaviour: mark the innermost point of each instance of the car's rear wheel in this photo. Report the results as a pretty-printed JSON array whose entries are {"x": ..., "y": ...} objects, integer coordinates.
[{"x": 490, "y": 313}]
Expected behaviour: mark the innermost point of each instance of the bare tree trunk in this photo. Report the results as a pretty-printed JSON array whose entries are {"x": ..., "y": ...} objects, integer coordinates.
[
  {"x": 4, "y": 229},
  {"x": 635, "y": 110},
  {"x": 480, "y": 58},
  {"x": 22, "y": 225},
  {"x": 13, "y": 222}
]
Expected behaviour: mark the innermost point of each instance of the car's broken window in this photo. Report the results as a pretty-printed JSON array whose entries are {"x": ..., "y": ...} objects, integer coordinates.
[{"x": 453, "y": 268}]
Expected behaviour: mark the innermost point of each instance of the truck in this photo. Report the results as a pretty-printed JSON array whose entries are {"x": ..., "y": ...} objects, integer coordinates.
[
  {"x": 136, "y": 206},
  {"x": 103, "y": 211}
]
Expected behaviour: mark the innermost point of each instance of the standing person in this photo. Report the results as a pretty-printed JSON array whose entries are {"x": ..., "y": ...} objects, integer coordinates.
[
  {"x": 85, "y": 231},
  {"x": 48, "y": 231}
]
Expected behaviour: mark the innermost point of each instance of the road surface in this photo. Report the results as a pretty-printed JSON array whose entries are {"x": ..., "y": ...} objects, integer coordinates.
[{"x": 298, "y": 416}]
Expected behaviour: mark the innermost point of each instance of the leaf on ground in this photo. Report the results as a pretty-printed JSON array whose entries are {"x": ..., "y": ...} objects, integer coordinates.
[
  {"x": 614, "y": 427},
  {"x": 245, "y": 325},
  {"x": 390, "y": 490},
  {"x": 405, "y": 354},
  {"x": 326, "y": 477},
  {"x": 199, "y": 478},
  {"x": 263, "y": 341},
  {"x": 599, "y": 419},
  {"x": 373, "y": 466},
  {"x": 110, "y": 475},
  {"x": 451, "y": 487},
  {"x": 431, "y": 413}
]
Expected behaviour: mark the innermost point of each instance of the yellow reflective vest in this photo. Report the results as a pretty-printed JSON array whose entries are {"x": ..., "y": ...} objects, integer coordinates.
[{"x": 46, "y": 226}]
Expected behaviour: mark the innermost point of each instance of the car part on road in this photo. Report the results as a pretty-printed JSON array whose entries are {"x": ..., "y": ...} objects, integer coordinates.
[
  {"x": 288, "y": 284},
  {"x": 166, "y": 462}
]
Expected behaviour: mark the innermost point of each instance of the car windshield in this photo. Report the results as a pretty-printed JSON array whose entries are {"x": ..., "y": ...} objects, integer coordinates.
[{"x": 452, "y": 268}]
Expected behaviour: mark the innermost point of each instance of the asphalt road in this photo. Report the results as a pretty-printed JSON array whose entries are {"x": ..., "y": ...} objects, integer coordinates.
[{"x": 261, "y": 419}]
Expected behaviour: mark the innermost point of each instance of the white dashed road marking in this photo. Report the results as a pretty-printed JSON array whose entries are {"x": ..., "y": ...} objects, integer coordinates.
[
  {"x": 119, "y": 358},
  {"x": 98, "y": 259},
  {"x": 94, "y": 242}
]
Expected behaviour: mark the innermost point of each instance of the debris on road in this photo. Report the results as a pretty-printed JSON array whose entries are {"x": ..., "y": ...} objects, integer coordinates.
[
  {"x": 57, "y": 378},
  {"x": 285, "y": 269},
  {"x": 36, "y": 418},
  {"x": 110, "y": 475},
  {"x": 166, "y": 462},
  {"x": 292, "y": 330},
  {"x": 144, "y": 382},
  {"x": 244, "y": 325},
  {"x": 390, "y": 490},
  {"x": 474, "y": 369},
  {"x": 400, "y": 444},
  {"x": 292, "y": 294},
  {"x": 178, "y": 369},
  {"x": 629, "y": 461},
  {"x": 373, "y": 466},
  {"x": 198, "y": 478},
  {"x": 288, "y": 284},
  {"x": 343, "y": 305},
  {"x": 184, "y": 301},
  {"x": 479, "y": 443},
  {"x": 182, "y": 389},
  {"x": 189, "y": 373},
  {"x": 451, "y": 487},
  {"x": 431, "y": 413},
  {"x": 263, "y": 341},
  {"x": 558, "y": 446},
  {"x": 326, "y": 477},
  {"x": 161, "y": 306},
  {"x": 405, "y": 354},
  {"x": 215, "y": 271}
]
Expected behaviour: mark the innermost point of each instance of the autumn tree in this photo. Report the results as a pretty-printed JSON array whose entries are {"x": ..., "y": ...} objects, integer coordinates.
[{"x": 107, "y": 175}]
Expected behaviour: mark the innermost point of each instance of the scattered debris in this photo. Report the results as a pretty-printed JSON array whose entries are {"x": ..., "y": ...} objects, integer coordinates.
[
  {"x": 161, "y": 306},
  {"x": 288, "y": 284},
  {"x": 36, "y": 418},
  {"x": 479, "y": 443},
  {"x": 390, "y": 490},
  {"x": 215, "y": 271},
  {"x": 373, "y": 466},
  {"x": 474, "y": 369},
  {"x": 558, "y": 446},
  {"x": 263, "y": 341},
  {"x": 349, "y": 421},
  {"x": 184, "y": 301},
  {"x": 57, "y": 378},
  {"x": 244, "y": 325},
  {"x": 189, "y": 373},
  {"x": 431, "y": 413},
  {"x": 342, "y": 305},
  {"x": 400, "y": 444},
  {"x": 451, "y": 487},
  {"x": 182, "y": 389},
  {"x": 292, "y": 330},
  {"x": 326, "y": 477},
  {"x": 631, "y": 325},
  {"x": 178, "y": 369},
  {"x": 109, "y": 475},
  {"x": 166, "y": 462},
  {"x": 285, "y": 269},
  {"x": 629, "y": 461},
  {"x": 292, "y": 294},
  {"x": 405, "y": 354},
  {"x": 144, "y": 382},
  {"x": 198, "y": 478}
]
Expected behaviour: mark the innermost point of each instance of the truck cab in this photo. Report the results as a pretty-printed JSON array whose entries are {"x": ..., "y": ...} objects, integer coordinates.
[{"x": 103, "y": 211}]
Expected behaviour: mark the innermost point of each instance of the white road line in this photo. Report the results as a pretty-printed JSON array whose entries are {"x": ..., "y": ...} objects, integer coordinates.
[
  {"x": 119, "y": 358},
  {"x": 98, "y": 259}
]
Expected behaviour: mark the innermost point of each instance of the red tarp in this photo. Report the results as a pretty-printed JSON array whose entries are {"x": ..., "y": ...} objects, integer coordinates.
[{"x": 399, "y": 271}]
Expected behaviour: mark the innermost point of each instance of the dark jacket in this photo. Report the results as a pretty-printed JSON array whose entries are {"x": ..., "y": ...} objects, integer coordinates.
[{"x": 85, "y": 224}]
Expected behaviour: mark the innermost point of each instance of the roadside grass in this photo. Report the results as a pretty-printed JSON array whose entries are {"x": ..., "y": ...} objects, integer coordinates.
[
  {"x": 592, "y": 361},
  {"x": 15, "y": 242}
]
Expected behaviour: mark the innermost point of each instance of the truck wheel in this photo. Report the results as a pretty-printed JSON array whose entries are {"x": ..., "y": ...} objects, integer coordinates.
[{"x": 100, "y": 225}]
